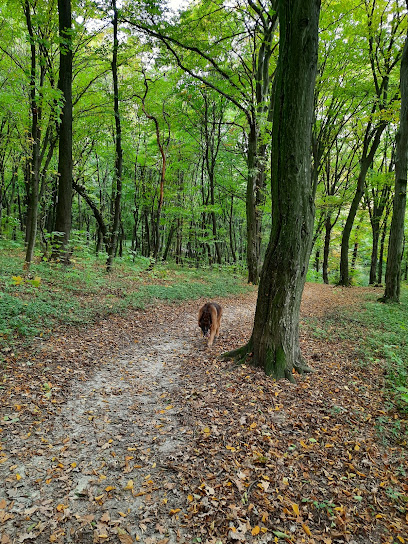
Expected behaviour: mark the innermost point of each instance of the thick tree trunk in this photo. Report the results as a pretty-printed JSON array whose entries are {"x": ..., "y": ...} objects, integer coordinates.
[
  {"x": 274, "y": 343},
  {"x": 395, "y": 244},
  {"x": 64, "y": 204}
]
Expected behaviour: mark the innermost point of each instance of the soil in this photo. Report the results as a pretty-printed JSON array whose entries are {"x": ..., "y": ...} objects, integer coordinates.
[{"x": 135, "y": 431}]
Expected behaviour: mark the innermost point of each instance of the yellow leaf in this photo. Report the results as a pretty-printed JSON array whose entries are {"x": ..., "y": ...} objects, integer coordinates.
[
  {"x": 190, "y": 498},
  {"x": 252, "y": 426},
  {"x": 129, "y": 485},
  {"x": 109, "y": 488},
  {"x": 206, "y": 430},
  {"x": 18, "y": 476},
  {"x": 17, "y": 280},
  {"x": 61, "y": 507},
  {"x": 306, "y": 529},
  {"x": 296, "y": 509},
  {"x": 401, "y": 539},
  {"x": 73, "y": 465},
  {"x": 256, "y": 530},
  {"x": 174, "y": 511},
  {"x": 169, "y": 407}
]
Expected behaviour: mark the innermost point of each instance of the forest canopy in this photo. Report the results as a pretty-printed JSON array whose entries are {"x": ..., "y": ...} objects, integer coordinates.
[{"x": 171, "y": 131}]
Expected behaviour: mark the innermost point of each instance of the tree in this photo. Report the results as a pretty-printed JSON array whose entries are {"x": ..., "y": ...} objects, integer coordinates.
[
  {"x": 384, "y": 26},
  {"x": 274, "y": 343},
  {"x": 395, "y": 245},
  {"x": 117, "y": 183},
  {"x": 64, "y": 202},
  {"x": 35, "y": 136},
  {"x": 243, "y": 78}
]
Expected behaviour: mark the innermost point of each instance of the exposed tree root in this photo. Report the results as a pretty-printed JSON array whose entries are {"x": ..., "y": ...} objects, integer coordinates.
[
  {"x": 240, "y": 355},
  {"x": 276, "y": 367}
]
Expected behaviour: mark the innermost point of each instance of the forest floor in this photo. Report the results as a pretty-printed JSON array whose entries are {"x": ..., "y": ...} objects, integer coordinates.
[{"x": 135, "y": 431}]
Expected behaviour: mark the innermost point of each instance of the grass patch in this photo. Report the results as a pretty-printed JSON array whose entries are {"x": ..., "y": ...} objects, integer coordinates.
[
  {"x": 380, "y": 334},
  {"x": 52, "y": 294}
]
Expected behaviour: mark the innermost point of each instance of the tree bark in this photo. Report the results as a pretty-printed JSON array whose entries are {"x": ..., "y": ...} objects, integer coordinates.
[
  {"x": 396, "y": 239},
  {"x": 274, "y": 344},
  {"x": 63, "y": 215},
  {"x": 382, "y": 246},
  {"x": 117, "y": 189},
  {"x": 326, "y": 249},
  {"x": 33, "y": 172}
]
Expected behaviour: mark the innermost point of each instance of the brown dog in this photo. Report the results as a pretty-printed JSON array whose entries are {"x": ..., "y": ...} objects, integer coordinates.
[{"x": 209, "y": 320}]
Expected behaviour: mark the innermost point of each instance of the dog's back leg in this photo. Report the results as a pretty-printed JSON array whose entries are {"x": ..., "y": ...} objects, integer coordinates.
[{"x": 214, "y": 322}]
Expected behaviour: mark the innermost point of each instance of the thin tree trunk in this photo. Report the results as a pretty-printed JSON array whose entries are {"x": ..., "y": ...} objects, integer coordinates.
[
  {"x": 326, "y": 249},
  {"x": 253, "y": 213},
  {"x": 34, "y": 167},
  {"x": 117, "y": 192},
  {"x": 231, "y": 231},
  {"x": 382, "y": 246}
]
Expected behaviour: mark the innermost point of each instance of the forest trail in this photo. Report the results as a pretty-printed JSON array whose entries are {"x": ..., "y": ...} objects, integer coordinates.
[{"x": 150, "y": 438}]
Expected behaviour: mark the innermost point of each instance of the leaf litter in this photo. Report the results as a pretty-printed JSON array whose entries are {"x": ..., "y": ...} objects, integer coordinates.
[{"x": 135, "y": 431}]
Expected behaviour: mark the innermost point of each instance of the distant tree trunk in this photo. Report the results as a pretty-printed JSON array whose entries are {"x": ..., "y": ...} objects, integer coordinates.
[
  {"x": 395, "y": 244},
  {"x": 64, "y": 203},
  {"x": 317, "y": 260},
  {"x": 169, "y": 240},
  {"x": 102, "y": 228},
  {"x": 231, "y": 231},
  {"x": 274, "y": 343},
  {"x": 117, "y": 187},
  {"x": 326, "y": 249},
  {"x": 253, "y": 211},
  {"x": 376, "y": 213},
  {"x": 355, "y": 246},
  {"x": 156, "y": 216},
  {"x": 382, "y": 246},
  {"x": 33, "y": 171}
]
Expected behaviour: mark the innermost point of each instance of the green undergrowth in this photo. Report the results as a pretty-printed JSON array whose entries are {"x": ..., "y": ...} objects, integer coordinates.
[
  {"x": 379, "y": 335},
  {"x": 53, "y": 295}
]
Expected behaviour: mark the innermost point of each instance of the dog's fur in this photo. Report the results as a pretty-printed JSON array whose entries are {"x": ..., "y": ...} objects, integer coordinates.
[{"x": 209, "y": 320}]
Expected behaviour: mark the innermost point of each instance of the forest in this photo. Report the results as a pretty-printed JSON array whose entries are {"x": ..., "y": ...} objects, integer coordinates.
[
  {"x": 171, "y": 118},
  {"x": 156, "y": 155}
]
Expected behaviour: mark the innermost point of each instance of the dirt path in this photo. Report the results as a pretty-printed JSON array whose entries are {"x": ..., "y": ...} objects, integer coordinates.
[
  {"x": 162, "y": 443},
  {"x": 105, "y": 464}
]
